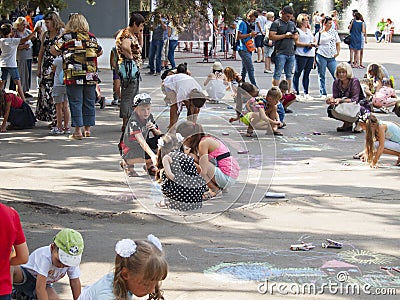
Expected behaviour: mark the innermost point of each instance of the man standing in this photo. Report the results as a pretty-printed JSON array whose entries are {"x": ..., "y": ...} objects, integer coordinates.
[
  {"x": 259, "y": 39},
  {"x": 245, "y": 34},
  {"x": 283, "y": 31},
  {"x": 156, "y": 46},
  {"x": 129, "y": 44}
]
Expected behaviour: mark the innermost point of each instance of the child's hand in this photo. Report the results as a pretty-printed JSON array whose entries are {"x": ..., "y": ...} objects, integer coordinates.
[
  {"x": 150, "y": 126},
  {"x": 154, "y": 160}
]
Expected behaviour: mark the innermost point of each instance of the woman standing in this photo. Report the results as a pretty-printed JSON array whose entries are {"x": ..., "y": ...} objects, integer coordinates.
[
  {"x": 80, "y": 50},
  {"x": 304, "y": 55},
  {"x": 24, "y": 55},
  {"x": 46, "y": 109},
  {"x": 357, "y": 31},
  {"x": 173, "y": 43},
  {"x": 328, "y": 43}
]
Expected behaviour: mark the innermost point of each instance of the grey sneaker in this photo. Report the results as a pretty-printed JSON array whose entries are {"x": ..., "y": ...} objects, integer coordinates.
[{"x": 56, "y": 131}]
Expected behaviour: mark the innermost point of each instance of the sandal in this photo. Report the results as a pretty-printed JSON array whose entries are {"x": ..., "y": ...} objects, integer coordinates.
[
  {"x": 210, "y": 194},
  {"x": 151, "y": 171},
  {"x": 75, "y": 137},
  {"x": 161, "y": 204},
  {"x": 86, "y": 133},
  {"x": 357, "y": 155},
  {"x": 249, "y": 133},
  {"x": 129, "y": 169}
]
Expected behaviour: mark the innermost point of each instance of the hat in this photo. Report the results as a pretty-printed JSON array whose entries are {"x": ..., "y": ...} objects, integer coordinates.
[
  {"x": 19, "y": 21},
  {"x": 217, "y": 66},
  {"x": 197, "y": 94},
  {"x": 141, "y": 99},
  {"x": 70, "y": 247}
]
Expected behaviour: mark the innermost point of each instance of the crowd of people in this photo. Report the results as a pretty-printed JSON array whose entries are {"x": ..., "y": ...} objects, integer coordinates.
[{"x": 191, "y": 165}]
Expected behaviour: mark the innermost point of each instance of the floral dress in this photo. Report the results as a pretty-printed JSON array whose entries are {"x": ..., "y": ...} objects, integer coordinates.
[
  {"x": 186, "y": 190},
  {"x": 46, "y": 109}
]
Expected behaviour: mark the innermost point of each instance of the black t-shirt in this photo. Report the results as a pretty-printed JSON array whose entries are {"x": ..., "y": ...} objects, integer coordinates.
[{"x": 285, "y": 46}]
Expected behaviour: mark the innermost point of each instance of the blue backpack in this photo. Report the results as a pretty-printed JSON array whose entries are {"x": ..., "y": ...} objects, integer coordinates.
[{"x": 128, "y": 70}]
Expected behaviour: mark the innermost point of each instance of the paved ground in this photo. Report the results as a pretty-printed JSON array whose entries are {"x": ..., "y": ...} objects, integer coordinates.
[{"x": 231, "y": 245}]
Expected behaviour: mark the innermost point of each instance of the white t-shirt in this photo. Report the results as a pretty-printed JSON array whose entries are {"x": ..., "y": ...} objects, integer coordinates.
[
  {"x": 100, "y": 290},
  {"x": 327, "y": 43},
  {"x": 182, "y": 85},
  {"x": 40, "y": 263},
  {"x": 8, "y": 56},
  {"x": 58, "y": 63},
  {"x": 307, "y": 38},
  {"x": 261, "y": 20}
]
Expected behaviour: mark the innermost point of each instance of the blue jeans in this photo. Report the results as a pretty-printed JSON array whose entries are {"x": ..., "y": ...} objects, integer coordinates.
[
  {"x": 155, "y": 52},
  {"x": 82, "y": 100},
  {"x": 247, "y": 66},
  {"x": 281, "y": 112},
  {"x": 171, "y": 52},
  {"x": 303, "y": 63},
  {"x": 322, "y": 64},
  {"x": 283, "y": 63}
]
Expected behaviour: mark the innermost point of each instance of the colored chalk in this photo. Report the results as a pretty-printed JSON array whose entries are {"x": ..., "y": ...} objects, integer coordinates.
[
  {"x": 225, "y": 133},
  {"x": 243, "y": 151},
  {"x": 275, "y": 195},
  {"x": 316, "y": 133}
]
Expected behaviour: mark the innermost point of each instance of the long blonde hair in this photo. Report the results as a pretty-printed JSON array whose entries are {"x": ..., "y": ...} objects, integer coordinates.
[
  {"x": 77, "y": 23},
  {"x": 370, "y": 137},
  {"x": 148, "y": 261}
]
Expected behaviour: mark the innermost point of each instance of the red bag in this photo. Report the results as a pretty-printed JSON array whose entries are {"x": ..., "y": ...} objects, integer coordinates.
[{"x": 250, "y": 45}]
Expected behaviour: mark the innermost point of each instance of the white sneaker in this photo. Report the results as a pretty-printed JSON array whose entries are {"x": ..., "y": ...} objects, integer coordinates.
[
  {"x": 56, "y": 131},
  {"x": 307, "y": 97},
  {"x": 384, "y": 110},
  {"x": 323, "y": 97}
]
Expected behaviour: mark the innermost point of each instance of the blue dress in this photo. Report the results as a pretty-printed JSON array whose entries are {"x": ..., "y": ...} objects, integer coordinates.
[{"x": 356, "y": 35}]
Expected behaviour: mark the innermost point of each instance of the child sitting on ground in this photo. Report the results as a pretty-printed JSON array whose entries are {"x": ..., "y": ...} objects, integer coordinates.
[
  {"x": 218, "y": 167},
  {"x": 287, "y": 98},
  {"x": 59, "y": 93},
  {"x": 216, "y": 83},
  {"x": 15, "y": 111},
  {"x": 181, "y": 184},
  {"x": 49, "y": 264},
  {"x": 135, "y": 144},
  {"x": 233, "y": 79},
  {"x": 385, "y": 97},
  {"x": 140, "y": 266},
  {"x": 264, "y": 114},
  {"x": 246, "y": 91}
]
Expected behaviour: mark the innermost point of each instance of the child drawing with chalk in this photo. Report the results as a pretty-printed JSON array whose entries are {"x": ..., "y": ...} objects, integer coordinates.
[
  {"x": 245, "y": 92},
  {"x": 218, "y": 167},
  {"x": 140, "y": 266},
  {"x": 181, "y": 184}
]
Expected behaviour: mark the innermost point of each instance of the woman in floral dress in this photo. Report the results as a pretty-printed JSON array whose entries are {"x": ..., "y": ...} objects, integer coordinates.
[{"x": 46, "y": 109}]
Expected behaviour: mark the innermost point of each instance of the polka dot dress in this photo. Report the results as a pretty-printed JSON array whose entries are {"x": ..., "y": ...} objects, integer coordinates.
[{"x": 186, "y": 190}]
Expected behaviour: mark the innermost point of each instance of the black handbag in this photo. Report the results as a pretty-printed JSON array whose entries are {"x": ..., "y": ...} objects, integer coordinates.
[{"x": 347, "y": 39}]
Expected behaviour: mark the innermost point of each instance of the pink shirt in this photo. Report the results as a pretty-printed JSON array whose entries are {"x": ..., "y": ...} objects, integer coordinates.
[{"x": 228, "y": 165}]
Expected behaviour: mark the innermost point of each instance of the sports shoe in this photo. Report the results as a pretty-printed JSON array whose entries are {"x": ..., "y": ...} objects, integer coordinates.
[
  {"x": 308, "y": 97},
  {"x": 66, "y": 130},
  {"x": 115, "y": 102},
  {"x": 56, "y": 131},
  {"x": 323, "y": 97},
  {"x": 268, "y": 71},
  {"x": 102, "y": 102}
]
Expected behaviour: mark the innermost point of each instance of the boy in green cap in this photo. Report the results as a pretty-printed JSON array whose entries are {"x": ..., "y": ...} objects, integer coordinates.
[{"x": 49, "y": 264}]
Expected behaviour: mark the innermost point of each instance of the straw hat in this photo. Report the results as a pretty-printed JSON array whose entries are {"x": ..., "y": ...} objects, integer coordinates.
[{"x": 217, "y": 66}]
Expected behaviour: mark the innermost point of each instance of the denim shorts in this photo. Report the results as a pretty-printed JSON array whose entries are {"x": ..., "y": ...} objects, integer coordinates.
[
  {"x": 258, "y": 40},
  {"x": 284, "y": 63},
  {"x": 5, "y": 297},
  {"x": 28, "y": 285},
  {"x": 13, "y": 73},
  {"x": 268, "y": 51},
  {"x": 223, "y": 181}
]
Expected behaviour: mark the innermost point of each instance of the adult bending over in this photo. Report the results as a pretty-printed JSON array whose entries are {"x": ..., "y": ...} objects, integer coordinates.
[
  {"x": 80, "y": 50},
  {"x": 346, "y": 88}
]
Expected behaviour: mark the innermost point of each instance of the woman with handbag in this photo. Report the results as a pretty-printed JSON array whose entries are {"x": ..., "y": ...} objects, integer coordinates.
[{"x": 347, "y": 98}]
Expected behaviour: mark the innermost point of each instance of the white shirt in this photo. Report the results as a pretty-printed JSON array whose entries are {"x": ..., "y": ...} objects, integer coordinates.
[
  {"x": 182, "y": 85},
  {"x": 306, "y": 37},
  {"x": 40, "y": 263},
  {"x": 58, "y": 63},
  {"x": 261, "y": 20},
  {"x": 8, "y": 56},
  {"x": 100, "y": 290},
  {"x": 327, "y": 43}
]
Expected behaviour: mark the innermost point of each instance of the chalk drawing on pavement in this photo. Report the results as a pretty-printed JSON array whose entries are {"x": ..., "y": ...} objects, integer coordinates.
[{"x": 364, "y": 257}]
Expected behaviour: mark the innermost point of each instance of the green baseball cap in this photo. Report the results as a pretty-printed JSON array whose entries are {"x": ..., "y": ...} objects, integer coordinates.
[{"x": 70, "y": 247}]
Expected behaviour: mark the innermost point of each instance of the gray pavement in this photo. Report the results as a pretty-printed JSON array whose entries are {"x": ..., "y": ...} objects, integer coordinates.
[{"x": 232, "y": 244}]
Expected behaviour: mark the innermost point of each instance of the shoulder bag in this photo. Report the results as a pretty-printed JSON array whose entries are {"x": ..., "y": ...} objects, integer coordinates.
[
  {"x": 347, "y": 111},
  {"x": 128, "y": 70},
  {"x": 347, "y": 39}
]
